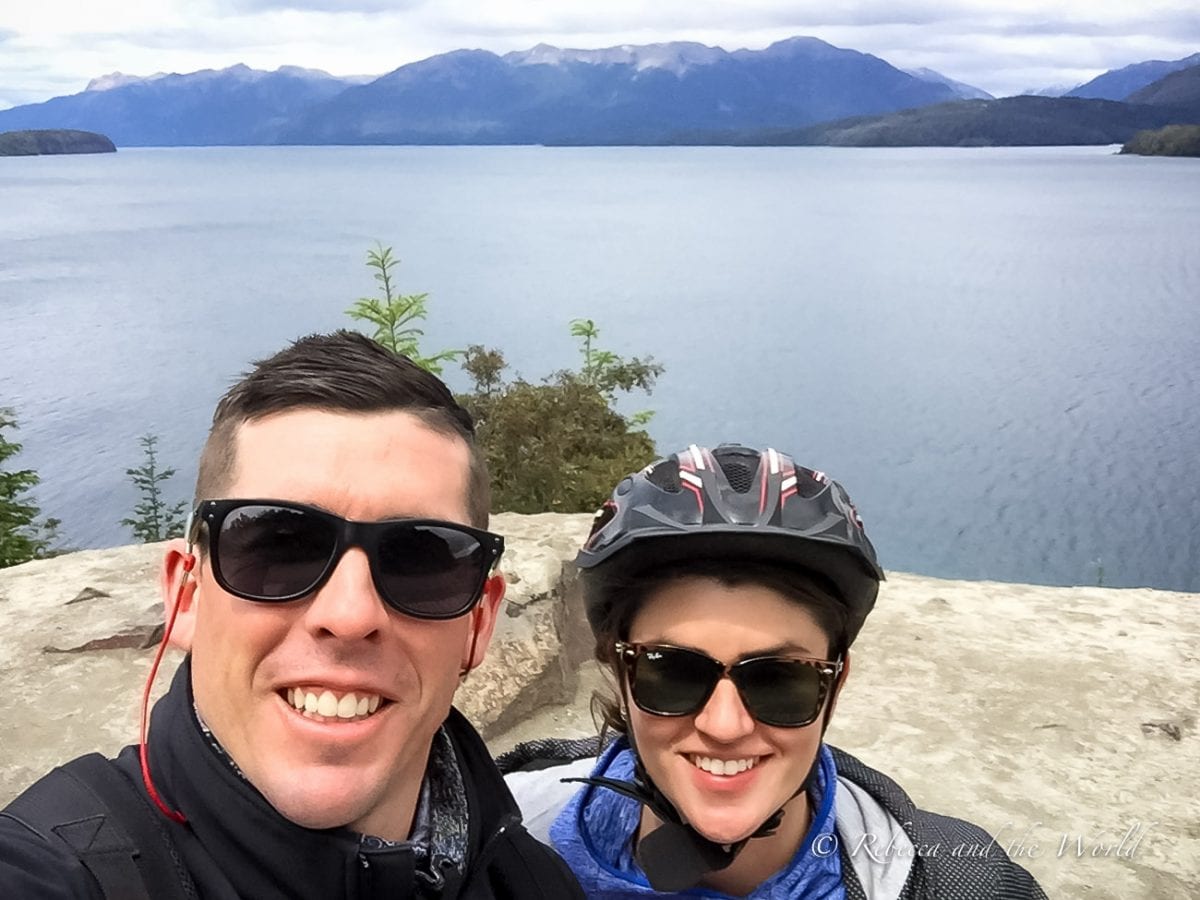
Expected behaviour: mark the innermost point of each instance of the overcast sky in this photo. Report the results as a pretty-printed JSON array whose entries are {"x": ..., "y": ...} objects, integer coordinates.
[{"x": 54, "y": 47}]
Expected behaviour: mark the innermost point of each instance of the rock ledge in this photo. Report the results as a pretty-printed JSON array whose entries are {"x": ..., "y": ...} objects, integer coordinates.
[{"x": 1062, "y": 720}]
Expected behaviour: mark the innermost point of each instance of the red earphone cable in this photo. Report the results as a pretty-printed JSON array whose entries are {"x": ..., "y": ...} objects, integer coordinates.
[
  {"x": 143, "y": 750},
  {"x": 470, "y": 667}
]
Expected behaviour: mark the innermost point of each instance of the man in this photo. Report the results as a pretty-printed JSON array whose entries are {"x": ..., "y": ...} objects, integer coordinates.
[{"x": 335, "y": 586}]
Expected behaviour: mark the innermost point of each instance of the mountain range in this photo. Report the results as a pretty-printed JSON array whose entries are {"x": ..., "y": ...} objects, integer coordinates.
[
  {"x": 238, "y": 105},
  {"x": 621, "y": 95},
  {"x": 1119, "y": 84},
  {"x": 676, "y": 92},
  {"x": 1010, "y": 121}
]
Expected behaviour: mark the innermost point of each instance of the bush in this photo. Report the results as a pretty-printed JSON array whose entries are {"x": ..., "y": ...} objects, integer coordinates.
[
  {"x": 1174, "y": 140},
  {"x": 153, "y": 519},
  {"x": 393, "y": 314},
  {"x": 554, "y": 446},
  {"x": 559, "y": 446}
]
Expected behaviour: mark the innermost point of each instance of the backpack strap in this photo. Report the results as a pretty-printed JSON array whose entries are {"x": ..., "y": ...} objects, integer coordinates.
[
  {"x": 533, "y": 756},
  {"x": 89, "y": 807}
]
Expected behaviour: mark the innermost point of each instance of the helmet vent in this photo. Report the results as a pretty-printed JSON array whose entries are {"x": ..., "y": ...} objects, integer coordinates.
[
  {"x": 739, "y": 475},
  {"x": 806, "y": 485},
  {"x": 666, "y": 476}
]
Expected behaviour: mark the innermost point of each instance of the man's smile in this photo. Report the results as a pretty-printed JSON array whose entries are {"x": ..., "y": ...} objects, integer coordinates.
[{"x": 324, "y": 704}]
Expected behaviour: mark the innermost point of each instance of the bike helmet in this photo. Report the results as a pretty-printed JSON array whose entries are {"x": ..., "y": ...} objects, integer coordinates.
[
  {"x": 737, "y": 503},
  {"x": 730, "y": 503}
]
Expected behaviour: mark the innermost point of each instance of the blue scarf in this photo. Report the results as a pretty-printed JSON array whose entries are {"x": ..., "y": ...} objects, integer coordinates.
[{"x": 594, "y": 834}]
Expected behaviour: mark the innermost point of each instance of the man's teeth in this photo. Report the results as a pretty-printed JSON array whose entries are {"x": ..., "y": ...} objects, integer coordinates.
[
  {"x": 724, "y": 766},
  {"x": 328, "y": 705}
]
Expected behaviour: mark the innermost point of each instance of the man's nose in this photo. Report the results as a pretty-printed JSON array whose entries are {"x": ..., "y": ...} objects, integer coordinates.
[
  {"x": 724, "y": 717},
  {"x": 347, "y": 606}
]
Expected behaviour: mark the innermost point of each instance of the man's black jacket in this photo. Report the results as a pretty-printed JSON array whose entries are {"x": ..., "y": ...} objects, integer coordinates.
[{"x": 237, "y": 847}]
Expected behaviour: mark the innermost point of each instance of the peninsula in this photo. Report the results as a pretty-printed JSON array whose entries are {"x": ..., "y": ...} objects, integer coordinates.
[
  {"x": 44, "y": 141},
  {"x": 1174, "y": 140}
]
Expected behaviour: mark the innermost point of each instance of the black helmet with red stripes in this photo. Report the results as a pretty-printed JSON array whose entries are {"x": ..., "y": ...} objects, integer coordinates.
[{"x": 734, "y": 503}]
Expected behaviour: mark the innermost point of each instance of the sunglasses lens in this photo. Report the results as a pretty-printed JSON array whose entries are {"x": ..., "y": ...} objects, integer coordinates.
[
  {"x": 272, "y": 552},
  {"x": 431, "y": 571},
  {"x": 779, "y": 692},
  {"x": 668, "y": 681},
  {"x": 276, "y": 552}
]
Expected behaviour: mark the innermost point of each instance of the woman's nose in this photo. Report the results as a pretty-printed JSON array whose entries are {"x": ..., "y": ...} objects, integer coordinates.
[{"x": 724, "y": 717}]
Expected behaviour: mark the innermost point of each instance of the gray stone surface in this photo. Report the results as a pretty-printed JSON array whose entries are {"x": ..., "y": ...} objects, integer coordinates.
[
  {"x": 1062, "y": 720},
  {"x": 1047, "y": 715},
  {"x": 534, "y": 657}
]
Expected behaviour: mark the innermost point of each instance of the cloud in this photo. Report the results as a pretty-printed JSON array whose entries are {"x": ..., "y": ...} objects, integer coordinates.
[
  {"x": 668, "y": 19},
  {"x": 329, "y": 6},
  {"x": 1003, "y": 63},
  {"x": 27, "y": 79},
  {"x": 586, "y": 17},
  {"x": 1177, "y": 26}
]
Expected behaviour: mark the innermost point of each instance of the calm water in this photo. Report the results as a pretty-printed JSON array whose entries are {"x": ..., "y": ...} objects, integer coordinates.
[{"x": 996, "y": 351}]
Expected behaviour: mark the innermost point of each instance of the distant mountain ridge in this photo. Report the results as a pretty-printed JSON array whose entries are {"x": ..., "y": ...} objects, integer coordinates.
[
  {"x": 1052, "y": 90},
  {"x": 1118, "y": 84},
  {"x": 617, "y": 95},
  {"x": 1181, "y": 87},
  {"x": 1171, "y": 103},
  {"x": 239, "y": 71},
  {"x": 120, "y": 79},
  {"x": 961, "y": 90},
  {"x": 1010, "y": 121},
  {"x": 664, "y": 93},
  {"x": 625, "y": 94},
  {"x": 237, "y": 105},
  {"x": 675, "y": 56}
]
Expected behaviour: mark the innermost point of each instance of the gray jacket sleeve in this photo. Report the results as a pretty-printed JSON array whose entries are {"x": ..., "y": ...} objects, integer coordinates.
[{"x": 542, "y": 795}]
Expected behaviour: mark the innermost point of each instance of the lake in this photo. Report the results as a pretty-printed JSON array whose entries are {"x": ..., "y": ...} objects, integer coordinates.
[{"x": 997, "y": 351}]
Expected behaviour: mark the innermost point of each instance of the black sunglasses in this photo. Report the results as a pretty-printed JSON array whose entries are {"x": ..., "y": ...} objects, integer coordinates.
[
  {"x": 784, "y": 691},
  {"x": 273, "y": 551}
]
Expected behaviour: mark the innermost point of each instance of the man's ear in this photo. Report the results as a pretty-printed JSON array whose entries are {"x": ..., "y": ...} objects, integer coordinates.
[
  {"x": 178, "y": 586},
  {"x": 483, "y": 622}
]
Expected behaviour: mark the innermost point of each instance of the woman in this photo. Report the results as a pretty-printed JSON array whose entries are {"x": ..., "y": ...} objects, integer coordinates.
[{"x": 724, "y": 589}]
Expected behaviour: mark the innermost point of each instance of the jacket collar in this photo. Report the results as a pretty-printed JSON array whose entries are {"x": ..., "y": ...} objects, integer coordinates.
[{"x": 263, "y": 854}]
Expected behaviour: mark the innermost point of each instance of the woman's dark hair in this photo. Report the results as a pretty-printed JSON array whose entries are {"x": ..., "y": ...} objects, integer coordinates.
[{"x": 631, "y": 591}]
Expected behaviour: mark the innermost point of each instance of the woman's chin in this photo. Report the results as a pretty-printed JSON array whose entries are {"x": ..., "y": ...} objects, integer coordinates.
[{"x": 724, "y": 831}]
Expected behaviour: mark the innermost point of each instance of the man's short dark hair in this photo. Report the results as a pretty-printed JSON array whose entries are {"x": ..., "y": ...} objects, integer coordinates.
[{"x": 340, "y": 372}]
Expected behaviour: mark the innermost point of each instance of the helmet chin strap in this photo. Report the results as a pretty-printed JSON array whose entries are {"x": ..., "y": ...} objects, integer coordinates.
[{"x": 675, "y": 856}]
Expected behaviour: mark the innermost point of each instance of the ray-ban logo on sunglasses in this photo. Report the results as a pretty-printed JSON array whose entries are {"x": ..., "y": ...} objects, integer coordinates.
[{"x": 783, "y": 691}]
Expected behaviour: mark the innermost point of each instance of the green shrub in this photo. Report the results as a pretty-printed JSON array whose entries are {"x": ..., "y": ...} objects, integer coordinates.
[
  {"x": 393, "y": 314},
  {"x": 1174, "y": 140},
  {"x": 22, "y": 537},
  {"x": 153, "y": 519},
  {"x": 559, "y": 445}
]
